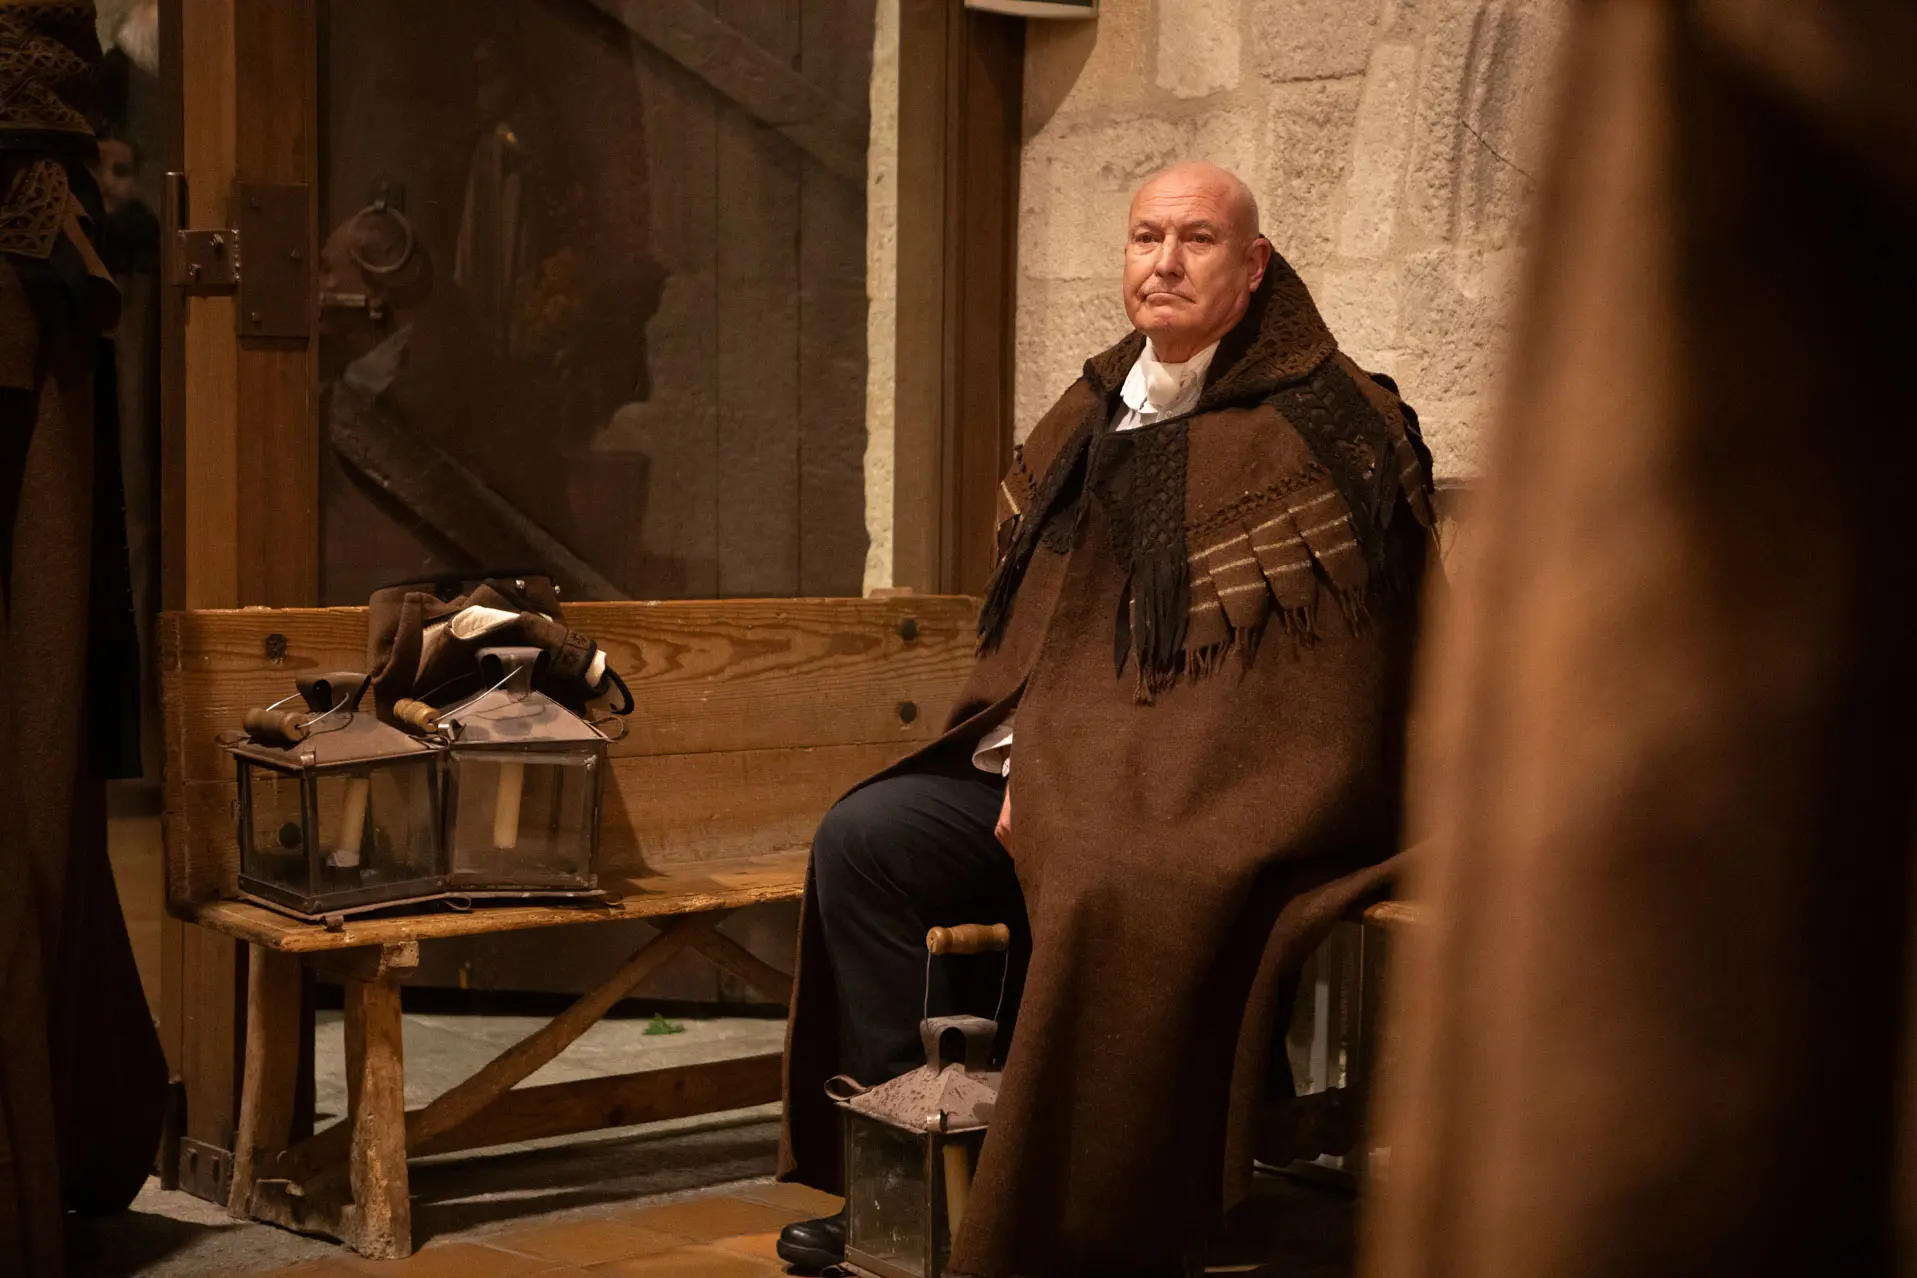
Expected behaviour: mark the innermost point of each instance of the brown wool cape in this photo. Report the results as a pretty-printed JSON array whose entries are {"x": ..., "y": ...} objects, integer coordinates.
[
  {"x": 1663, "y": 1023},
  {"x": 1205, "y": 627},
  {"x": 82, "y": 1074}
]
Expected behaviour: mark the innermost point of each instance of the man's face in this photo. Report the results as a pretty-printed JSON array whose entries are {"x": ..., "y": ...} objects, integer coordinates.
[
  {"x": 1191, "y": 263},
  {"x": 115, "y": 173}
]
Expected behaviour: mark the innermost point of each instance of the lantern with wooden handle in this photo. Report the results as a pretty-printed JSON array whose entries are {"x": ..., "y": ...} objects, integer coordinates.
[
  {"x": 336, "y": 811},
  {"x": 527, "y": 778},
  {"x": 912, "y": 1144}
]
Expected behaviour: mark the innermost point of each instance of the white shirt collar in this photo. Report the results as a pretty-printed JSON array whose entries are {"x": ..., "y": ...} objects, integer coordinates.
[{"x": 1157, "y": 389}]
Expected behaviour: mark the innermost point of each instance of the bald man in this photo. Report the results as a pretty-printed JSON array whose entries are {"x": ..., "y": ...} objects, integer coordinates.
[{"x": 1176, "y": 763}]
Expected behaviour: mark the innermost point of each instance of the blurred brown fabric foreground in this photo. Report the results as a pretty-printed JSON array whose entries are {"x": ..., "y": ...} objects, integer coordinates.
[{"x": 1664, "y": 1022}]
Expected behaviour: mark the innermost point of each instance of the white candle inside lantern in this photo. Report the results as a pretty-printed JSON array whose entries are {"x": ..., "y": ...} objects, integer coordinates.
[
  {"x": 352, "y": 822},
  {"x": 958, "y": 1185},
  {"x": 512, "y": 785}
]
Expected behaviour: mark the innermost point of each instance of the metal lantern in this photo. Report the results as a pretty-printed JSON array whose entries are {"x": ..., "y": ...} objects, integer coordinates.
[
  {"x": 912, "y": 1145},
  {"x": 526, "y": 778},
  {"x": 337, "y": 811}
]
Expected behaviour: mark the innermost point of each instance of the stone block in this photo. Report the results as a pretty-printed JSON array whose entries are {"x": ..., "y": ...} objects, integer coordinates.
[
  {"x": 1197, "y": 46},
  {"x": 881, "y": 288},
  {"x": 1233, "y": 139},
  {"x": 1311, "y": 39},
  {"x": 1075, "y": 187},
  {"x": 1306, "y": 155},
  {"x": 1360, "y": 301},
  {"x": 1457, "y": 432},
  {"x": 1380, "y": 145},
  {"x": 1075, "y": 67},
  {"x": 1455, "y": 321},
  {"x": 1061, "y": 324},
  {"x": 881, "y": 376},
  {"x": 1483, "y": 92}
]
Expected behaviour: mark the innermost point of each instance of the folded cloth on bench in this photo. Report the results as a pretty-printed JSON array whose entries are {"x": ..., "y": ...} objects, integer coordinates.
[{"x": 421, "y": 646}]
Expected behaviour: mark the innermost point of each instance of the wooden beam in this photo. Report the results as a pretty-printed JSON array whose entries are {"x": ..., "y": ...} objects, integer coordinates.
[
  {"x": 209, "y": 432},
  {"x": 739, "y": 70},
  {"x": 276, "y": 139},
  {"x": 960, "y": 105},
  {"x": 461, "y": 1103},
  {"x": 272, "y": 1061},
  {"x": 393, "y": 961},
  {"x": 723, "y": 886},
  {"x": 625, "y": 1100},
  {"x": 240, "y": 458},
  {"x": 710, "y": 675},
  {"x": 454, "y": 502},
  {"x": 381, "y": 1218},
  {"x": 325, "y": 1210},
  {"x": 737, "y": 960}
]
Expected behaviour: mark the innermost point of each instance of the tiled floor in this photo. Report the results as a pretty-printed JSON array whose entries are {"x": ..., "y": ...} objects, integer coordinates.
[
  {"x": 1290, "y": 1228},
  {"x": 723, "y": 1235}
]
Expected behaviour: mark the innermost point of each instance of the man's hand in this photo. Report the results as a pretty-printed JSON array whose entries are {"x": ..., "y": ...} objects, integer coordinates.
[{"x": 1004, "y": 827}]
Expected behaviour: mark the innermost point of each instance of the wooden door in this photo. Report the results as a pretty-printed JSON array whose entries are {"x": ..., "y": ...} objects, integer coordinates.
[{"x": 616, "y": 260}]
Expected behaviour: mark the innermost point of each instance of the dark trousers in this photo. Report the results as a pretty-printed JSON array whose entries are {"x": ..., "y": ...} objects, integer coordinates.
[
  {"x": 915, "y": 852},
  {"x": 890, "y": 861}
]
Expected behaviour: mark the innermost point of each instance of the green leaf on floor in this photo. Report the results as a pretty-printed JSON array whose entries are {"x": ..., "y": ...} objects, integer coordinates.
[{"x": 660, "y": 1025}]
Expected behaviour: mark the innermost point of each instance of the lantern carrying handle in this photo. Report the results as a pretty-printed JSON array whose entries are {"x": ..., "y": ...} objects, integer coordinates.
[
  {"x": 451, "y": 716},
  {"x": 969, "y": 938},
  {"x": 515, "y": 667},
  {"x": 338, "y": 690}
]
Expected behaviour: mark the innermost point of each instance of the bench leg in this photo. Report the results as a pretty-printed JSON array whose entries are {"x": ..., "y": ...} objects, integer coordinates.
[
  {"x": 271, "y": 1067},
  {"x": 380, "y": 1220}
]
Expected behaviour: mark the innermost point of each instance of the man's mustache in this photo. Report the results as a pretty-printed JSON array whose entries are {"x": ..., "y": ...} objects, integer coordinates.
[{"x": 1151, "y": 289}]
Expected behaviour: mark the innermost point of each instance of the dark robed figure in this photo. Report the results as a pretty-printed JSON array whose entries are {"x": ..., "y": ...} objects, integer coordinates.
[{"x": 1193, "y": 671}]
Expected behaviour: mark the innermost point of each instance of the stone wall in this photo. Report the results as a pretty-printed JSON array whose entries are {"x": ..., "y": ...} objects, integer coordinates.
[
  {"x": 881, "y": 291},
  {"x": 1391, "y": 144}
]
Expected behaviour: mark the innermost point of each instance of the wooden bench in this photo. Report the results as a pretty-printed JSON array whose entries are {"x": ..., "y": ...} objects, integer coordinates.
[{"x": 753, "y": 717}]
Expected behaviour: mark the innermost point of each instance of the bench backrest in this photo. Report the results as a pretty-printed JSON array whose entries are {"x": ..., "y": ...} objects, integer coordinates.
[{"x": 753, "y": 716}]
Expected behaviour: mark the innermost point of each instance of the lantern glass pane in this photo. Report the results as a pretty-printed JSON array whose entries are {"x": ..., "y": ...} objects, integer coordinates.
[
  {"x": 375, "y": 827},
  {"x": 886, "y": 1194},
  {"x": 275, "y": 831},
  {"x": 524, "y": 816}
]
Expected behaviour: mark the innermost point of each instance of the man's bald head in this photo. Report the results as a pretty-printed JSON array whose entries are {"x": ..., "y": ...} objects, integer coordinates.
[
  {"x": 1220, "y": 183},
  {"x": 1193, "y": 257}
]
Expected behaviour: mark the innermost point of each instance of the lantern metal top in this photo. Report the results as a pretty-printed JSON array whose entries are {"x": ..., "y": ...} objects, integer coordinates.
[
  {"x": 512, "y": 712},
  {"x": 946, "y": 1094},
  {"x": 328, "y": 730}
]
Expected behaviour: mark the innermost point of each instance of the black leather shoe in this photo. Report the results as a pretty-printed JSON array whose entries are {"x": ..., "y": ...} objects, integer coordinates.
[{"x": 810, "y": 1245}]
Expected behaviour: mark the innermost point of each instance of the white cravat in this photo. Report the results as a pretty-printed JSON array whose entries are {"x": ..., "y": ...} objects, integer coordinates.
[{"x": 1153, "y": 391}]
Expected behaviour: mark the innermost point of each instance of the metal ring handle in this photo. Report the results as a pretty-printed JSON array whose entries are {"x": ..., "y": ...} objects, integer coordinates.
[{"x": 406, "y": 247}]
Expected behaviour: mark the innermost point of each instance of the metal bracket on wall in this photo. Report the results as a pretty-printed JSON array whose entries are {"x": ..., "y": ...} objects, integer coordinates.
[{"x": 272, "y": 278}]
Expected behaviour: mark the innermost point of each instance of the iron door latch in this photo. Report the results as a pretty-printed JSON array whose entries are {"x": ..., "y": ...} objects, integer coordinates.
[{"x": 263, "y": 261}]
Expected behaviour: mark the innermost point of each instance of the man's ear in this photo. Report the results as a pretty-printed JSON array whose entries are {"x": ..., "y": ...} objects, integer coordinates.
[{"x": 1260, "y": 251}]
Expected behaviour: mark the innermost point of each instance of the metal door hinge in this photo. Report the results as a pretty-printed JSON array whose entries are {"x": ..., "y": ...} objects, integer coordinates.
[
  {"x": 263, "y": 261},
  {"x": 206, "y": 1171}
]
